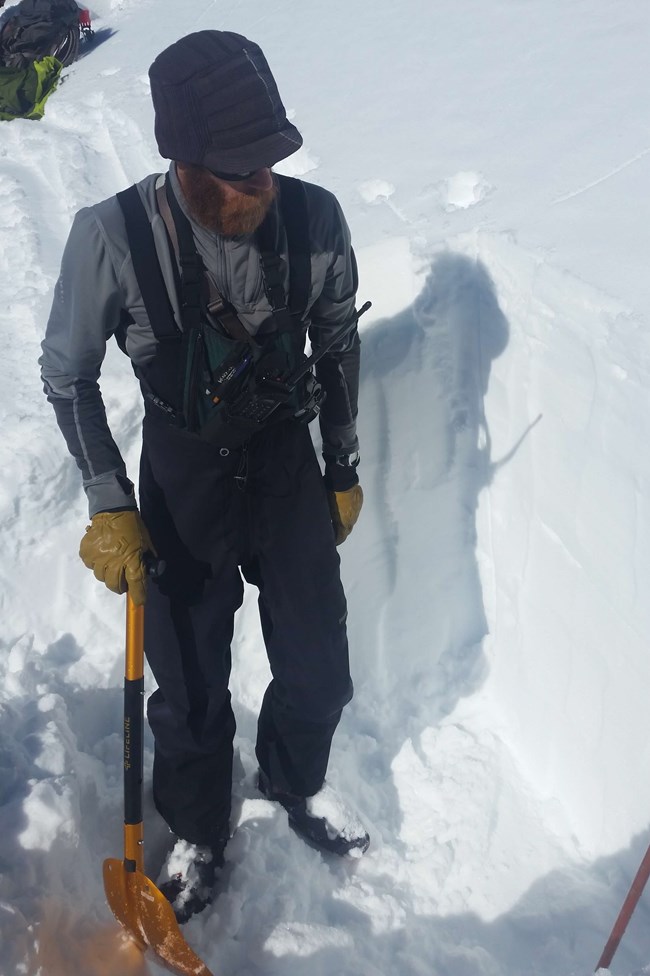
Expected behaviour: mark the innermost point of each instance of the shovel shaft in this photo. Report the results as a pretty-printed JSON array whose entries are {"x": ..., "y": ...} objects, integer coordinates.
[
  {"x": 133, "y": 735},
  {"x": 134, "y": 847},
  {"x": 136, "y": 902}
]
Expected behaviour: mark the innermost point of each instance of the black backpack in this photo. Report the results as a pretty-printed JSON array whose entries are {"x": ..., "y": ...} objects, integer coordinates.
[
  {"x": 38, "y": 28},
  {"x": 219, "y": 382},
  {"x": 213, "y": 379}
]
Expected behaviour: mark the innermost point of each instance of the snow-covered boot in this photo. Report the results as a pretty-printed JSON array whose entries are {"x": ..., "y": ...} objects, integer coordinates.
[
  {"x": 187, "y": 880},
  {"x": 323, "y": 820}
]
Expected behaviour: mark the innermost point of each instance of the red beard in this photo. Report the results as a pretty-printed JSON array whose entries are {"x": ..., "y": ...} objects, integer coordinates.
[{"x": 217, "y": 208}]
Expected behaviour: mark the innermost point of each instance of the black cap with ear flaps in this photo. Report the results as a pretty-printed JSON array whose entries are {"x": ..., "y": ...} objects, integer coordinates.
[{"x": 217, "y": 104}]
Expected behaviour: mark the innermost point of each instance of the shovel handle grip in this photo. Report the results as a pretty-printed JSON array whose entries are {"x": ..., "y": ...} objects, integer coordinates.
[
  {"x": 154, "y": 565},
  {"x": 134, "y": 666}
]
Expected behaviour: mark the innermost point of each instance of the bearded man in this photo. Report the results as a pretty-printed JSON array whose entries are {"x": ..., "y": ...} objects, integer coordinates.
[{"x": 210, "y": 277}]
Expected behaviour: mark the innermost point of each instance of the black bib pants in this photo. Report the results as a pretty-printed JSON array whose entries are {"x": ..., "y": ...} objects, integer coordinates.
[{"x": 263, "y": 510}]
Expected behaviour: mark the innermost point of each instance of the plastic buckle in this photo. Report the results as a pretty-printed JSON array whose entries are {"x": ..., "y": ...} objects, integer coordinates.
[{"x": 216, "y": 306}]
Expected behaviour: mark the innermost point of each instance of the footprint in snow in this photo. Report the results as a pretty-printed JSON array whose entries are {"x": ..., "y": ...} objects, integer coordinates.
[
  {"x": 463, "y": 190},
  {"x": 376, "y": 191}
]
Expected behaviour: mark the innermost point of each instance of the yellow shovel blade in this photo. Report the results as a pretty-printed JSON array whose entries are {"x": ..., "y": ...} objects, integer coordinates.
[{"x": 149, "y": 918}]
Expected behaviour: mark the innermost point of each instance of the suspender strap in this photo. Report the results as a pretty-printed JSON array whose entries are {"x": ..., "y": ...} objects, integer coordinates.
[
  {"x": 272, "y": 274},
  {"x": 293, "y": 201},
  {"x": 195, "y": 281},
  {"x": 293, "y": 204},
  {"x": 192, "y": 267},
  {"x": 146, "y": 266},
  {"x": 216, "y": 304}
]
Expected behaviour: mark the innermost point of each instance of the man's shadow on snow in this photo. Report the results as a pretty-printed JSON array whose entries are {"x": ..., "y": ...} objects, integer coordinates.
[{"x": 427, "y": 455}]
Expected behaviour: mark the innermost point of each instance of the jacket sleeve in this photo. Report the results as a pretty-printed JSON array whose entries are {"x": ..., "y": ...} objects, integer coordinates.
[
  {"x": 86, "y": 311},
  {"x": 338, "y": 370}
]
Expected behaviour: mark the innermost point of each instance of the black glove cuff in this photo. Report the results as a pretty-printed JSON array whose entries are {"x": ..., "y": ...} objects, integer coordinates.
[{"x": 340, "y": 478}]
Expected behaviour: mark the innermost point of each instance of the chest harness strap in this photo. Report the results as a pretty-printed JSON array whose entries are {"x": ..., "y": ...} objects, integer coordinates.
[{"x": 198, "y": 294}]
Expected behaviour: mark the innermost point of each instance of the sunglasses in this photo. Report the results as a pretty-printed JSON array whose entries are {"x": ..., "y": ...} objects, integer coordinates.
[{"x": 233, "y": 177}]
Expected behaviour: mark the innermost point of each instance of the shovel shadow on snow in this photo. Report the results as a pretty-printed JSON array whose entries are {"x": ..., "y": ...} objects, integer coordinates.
[{"x": 427, "y": 456}]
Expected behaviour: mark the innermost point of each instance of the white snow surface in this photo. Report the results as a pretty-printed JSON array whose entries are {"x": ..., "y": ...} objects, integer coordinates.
[{"x": 493, "y": 160}]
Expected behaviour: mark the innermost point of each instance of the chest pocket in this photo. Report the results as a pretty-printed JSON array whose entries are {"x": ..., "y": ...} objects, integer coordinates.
[{"x": 234, "y": 388}]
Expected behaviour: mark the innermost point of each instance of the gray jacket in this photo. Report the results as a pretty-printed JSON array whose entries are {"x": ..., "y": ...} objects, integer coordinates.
[{"x": 97, "y": 284}]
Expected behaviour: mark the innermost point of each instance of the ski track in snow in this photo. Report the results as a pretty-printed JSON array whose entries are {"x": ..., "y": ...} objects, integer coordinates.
[
  {"x": 607, "y": 176},
  {"x": 499, "y": 559}
]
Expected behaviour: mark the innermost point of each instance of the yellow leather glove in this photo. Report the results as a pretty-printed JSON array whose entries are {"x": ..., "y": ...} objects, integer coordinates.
[
  {"x": 344, "y": 509},
  {"x": 113, "y": 547}
]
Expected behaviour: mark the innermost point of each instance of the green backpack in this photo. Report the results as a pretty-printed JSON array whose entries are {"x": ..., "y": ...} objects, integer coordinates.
[{"x": 23, "y": 91}]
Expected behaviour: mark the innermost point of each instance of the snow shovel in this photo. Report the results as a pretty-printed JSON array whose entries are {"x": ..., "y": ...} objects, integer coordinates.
[{"x": 134, "y": 899}]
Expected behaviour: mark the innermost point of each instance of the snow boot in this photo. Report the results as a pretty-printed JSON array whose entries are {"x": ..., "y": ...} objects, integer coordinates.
[
  {"x": 323, "y": 820},
  {"x": 188, "y": 877}
]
